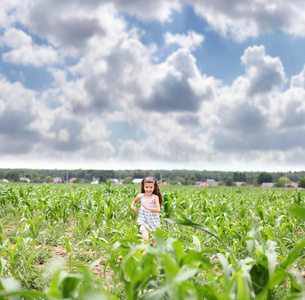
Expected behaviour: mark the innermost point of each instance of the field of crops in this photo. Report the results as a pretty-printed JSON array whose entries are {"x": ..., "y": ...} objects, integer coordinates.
[{"x": 82, "y": 242}]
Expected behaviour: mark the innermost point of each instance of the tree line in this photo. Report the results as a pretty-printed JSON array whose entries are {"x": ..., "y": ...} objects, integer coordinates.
[{"x": 172, "y": 176}]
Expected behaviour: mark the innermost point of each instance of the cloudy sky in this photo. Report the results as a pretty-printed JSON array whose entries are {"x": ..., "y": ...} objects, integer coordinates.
[{"x": 163, "y": 84}]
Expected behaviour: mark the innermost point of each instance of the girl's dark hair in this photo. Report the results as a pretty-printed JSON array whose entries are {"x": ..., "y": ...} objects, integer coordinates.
[{"x": 156, "y": 187}]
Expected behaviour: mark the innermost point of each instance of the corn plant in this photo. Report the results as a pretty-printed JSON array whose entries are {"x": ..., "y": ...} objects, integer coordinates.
[
  {"x": 261, "y": 275},
  {"x": 68, "y": 250}
]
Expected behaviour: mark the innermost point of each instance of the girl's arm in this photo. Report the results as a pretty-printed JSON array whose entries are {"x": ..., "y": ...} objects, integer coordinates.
[
  {"x": 155, "y": 209},
  {"x": 134, "y": 202}
]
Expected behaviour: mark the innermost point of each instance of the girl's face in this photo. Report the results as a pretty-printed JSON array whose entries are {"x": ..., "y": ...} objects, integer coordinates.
[{"x": 149, "y": 188}]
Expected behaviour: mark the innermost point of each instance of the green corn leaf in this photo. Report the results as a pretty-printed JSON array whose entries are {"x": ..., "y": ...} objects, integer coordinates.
[
  {"x": 179, "y": 252},
  {"x": 185, "y": 274},
  {"x": 171, "y": 268},
  {"x": 277, "y": 278},
  {"x": 293, "y": 255},
  {"x": 299, "y": 212},
  {"x": 158, "y": 294},
  {"x": 225, "y": 266},
  {"x": 196, "y": 244},
  {"x": 27, "y": 294},
  {"x": 243, "y": 292},
  {"x": 188, "y": 222},
  {"x": 68, "y": 244},
  {"x": 193, "y": 258},
  {"x": 69, "y": 286}
]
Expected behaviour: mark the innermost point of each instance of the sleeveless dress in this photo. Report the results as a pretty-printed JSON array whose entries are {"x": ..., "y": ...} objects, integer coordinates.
[{"x": 147, "y": 219}]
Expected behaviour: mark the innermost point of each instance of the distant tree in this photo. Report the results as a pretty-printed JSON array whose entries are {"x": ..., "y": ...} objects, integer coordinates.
[
  {"x": 34, "y": 177},
  {"x": 138, "y": 174},
  {"x": 237, "y": 176},
  {"x": 2, "y": 174},
  {"x": 190, "y": 180},
  {"x": 193, "y": 180},
  {"x": 128, "y": 180},
  {"x": 13, "y": 176},
  {"x": 168, "y": 180},
  {"x": 255, "y": 180},
  {"x": 221, "y": 183},
  {"x": 229, "y": 181},
  {"x": 264, "y": 177},
  {"x": 107, "y": 174},
  {"x": 179, "y": 179},
  {"x": 283, "y": 181},
  {"x": 301, "y": 182},
  {"x": 103, "y": 178},
  {"x": 48, "y": 179}
]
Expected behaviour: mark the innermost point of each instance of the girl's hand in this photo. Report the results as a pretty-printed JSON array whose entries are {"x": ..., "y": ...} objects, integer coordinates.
[
  {"x": 144, "y": 205},
  {"x": 139, "y": 196},
  {"x": 134, "y": 209}
]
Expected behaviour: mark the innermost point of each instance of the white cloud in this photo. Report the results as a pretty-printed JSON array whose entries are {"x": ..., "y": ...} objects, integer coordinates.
[
  {"x": 63, "y": 135},
  {"x": 190, "y": 41},
  {"x": 243, "y": 19},
  {"x": 160, "y": 10},
  {"x": 256, "y": 125},
  {"x": 14, "y": 38},
  {"x": 114, "y": 72},
  {"x": 32, "y": 55},
  {"x": 16, "y": 114},
  {"x": 67, "y": 25},
  {"x": 95, "y": 130},
  {"x": 298, "y": 81},
  {"x": 265, "y": 73},
  {"x": 177, "y": 85},
  {"x": 290, "y": 106},
  {"x": 15, "y": 96},
  {"x": 25, "y": 52},
  {"x": 12, "y": 11}
]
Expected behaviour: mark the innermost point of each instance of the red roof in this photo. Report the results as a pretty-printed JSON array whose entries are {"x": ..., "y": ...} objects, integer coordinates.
[{"x": 58, "y": 180}]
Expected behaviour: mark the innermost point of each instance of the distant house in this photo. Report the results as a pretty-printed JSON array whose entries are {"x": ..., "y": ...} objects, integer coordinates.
[
  {"x": 200, "y": 183},
  {"x": 210, "y": 182},
  {"x": 240, "y": 183},
  {"x": 293, "y": 184},
  {"x": 72, "y": 180},
  {"x": 137, "y": 180},
  {"x": 164, "y": 183},
  {"x": 114, "y": 181},
  {"x": 95, "y": 180},
  {"x": 58, "y": 180},
  {"x": 4, "y": 180},
  {"x": 24, "y": 179},
  {"x": 268, "y": 184}
]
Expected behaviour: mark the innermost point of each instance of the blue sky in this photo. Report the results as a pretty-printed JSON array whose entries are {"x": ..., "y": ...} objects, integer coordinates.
[{"x": 166, "y": 84}]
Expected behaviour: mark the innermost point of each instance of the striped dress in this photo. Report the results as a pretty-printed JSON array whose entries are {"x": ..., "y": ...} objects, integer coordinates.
[{"x": 147, "y": 219}]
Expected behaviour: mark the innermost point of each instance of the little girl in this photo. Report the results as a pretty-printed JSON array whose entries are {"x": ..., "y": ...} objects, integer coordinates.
[{"x": 151, "y": 200}]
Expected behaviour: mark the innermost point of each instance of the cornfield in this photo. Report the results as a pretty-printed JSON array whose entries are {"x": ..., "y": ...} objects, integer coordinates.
[{"x": 82, "y": 242}]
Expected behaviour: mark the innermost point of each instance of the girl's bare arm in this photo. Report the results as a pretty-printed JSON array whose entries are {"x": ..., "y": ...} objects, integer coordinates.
[{"x": 134, "y": 202}]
